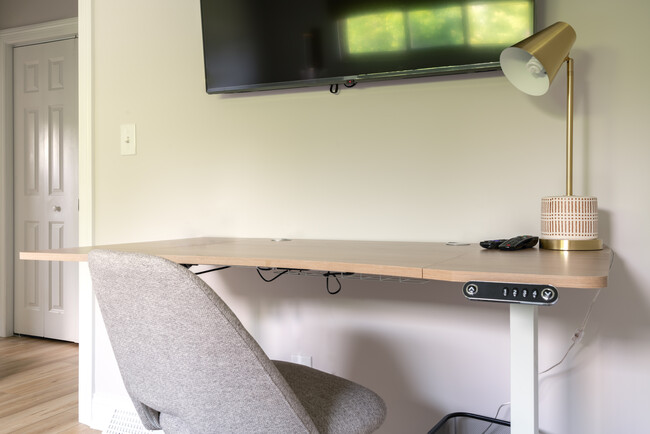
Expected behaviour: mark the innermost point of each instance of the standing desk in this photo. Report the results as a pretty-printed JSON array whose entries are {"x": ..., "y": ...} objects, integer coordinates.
[{"x": 418, "y": 260}]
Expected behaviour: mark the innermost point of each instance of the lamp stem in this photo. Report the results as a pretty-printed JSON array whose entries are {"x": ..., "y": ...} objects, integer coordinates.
[{"x": 569, "y": 127}]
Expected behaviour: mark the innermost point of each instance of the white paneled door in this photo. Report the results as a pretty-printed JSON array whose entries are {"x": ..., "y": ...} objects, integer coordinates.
[{"x": 46, "y": 187}]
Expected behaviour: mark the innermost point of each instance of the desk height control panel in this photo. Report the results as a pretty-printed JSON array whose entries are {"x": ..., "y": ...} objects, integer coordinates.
[{"x": 543, "y": 295}]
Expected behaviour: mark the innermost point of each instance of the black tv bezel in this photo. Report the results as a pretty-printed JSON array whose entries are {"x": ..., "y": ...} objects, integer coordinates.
[{"x": 466, "y": 68}]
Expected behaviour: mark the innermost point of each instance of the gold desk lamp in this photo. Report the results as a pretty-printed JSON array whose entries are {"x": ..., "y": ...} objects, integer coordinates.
[{"x": 568, "y": 222}]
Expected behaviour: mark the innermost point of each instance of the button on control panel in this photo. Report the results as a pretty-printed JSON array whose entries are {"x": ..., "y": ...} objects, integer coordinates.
[{"x": 543, "y": 295}]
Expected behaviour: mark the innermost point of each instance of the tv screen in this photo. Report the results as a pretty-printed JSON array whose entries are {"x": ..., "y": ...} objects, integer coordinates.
[{"x": 253, "y": 45}]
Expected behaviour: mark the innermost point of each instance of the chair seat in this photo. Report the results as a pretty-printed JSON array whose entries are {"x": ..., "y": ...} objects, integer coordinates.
[{"x": 336, "y": 405}]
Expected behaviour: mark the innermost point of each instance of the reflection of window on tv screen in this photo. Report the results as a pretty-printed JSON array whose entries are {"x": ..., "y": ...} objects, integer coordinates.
[
  {"x": 502, "y": 23},
  {"x": 257, "y": 44}
]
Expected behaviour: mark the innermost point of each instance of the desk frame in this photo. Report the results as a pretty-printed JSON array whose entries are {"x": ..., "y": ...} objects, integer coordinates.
[{"x": 432, "y": 261}]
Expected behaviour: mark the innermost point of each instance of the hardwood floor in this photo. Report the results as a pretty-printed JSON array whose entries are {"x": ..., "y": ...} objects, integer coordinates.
[{"x": 38, "y": 386}]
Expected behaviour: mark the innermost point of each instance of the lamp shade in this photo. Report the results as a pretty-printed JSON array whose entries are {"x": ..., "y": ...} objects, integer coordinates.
[{"x": 531, "y": 65}]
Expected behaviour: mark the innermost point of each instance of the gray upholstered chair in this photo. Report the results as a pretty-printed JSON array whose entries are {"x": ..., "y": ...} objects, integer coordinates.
[{"x": 191, "y": 367}]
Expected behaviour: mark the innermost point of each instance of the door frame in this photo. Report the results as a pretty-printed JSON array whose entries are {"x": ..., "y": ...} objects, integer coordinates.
[
  {"x": 83, "y": 27},
  {"x": 9, "y": 39}
]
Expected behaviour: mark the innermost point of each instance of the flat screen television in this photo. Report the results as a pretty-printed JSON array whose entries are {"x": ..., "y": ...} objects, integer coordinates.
[{"x": 251, "y": 45}]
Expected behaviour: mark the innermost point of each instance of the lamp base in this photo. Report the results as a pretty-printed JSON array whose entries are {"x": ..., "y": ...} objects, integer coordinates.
[
  {"x": 595, "y": 244},
  {"x": 570, "y": 223}
]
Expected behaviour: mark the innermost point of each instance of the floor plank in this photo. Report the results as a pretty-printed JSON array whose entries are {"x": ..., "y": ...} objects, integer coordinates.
[{"x": 38, "y": 386}]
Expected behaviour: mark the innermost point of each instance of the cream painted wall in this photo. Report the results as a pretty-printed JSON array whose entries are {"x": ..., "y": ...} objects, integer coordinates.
[{"x": 459, "y": 158}]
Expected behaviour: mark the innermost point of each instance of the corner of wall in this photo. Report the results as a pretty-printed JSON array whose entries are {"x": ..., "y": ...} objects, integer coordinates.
[{"x": 6, "y": 187}]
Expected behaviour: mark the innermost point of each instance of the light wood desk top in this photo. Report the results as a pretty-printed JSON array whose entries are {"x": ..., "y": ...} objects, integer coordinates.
[{"x": 421, "y": 260}]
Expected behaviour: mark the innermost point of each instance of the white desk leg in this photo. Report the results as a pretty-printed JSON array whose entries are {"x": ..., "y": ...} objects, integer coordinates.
[{"x": 523, "y": 369}]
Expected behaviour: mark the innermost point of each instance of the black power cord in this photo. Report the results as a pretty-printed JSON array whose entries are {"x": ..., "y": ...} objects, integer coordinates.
[
  {"x": 188, "y": 266},
  {"x": 211, "y": 270},
  {"x": 335, "y": 276},
  {"x": 260, "y": 269},
  {"x": 334, "y": 88},
  {"x": 327, "y": 276}
]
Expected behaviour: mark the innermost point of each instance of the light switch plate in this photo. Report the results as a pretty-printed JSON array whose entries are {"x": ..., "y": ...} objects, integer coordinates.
[{"x": 127, "y": 139}]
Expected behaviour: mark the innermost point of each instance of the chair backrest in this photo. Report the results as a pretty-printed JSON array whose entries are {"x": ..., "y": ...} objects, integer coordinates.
[{"x": 186, "y": 360}]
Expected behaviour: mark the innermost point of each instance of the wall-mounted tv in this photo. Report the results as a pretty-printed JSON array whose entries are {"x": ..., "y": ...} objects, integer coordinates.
[{"x": 251, "y": 45}]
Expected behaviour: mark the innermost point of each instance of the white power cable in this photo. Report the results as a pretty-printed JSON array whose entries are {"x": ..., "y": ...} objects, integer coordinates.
[{"x": 577, "y": 335}]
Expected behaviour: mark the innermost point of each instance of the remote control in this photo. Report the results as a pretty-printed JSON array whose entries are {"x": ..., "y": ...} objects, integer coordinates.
[
  {"x": 518, "y": 243},
  {"x": 492, "y": 244}
]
